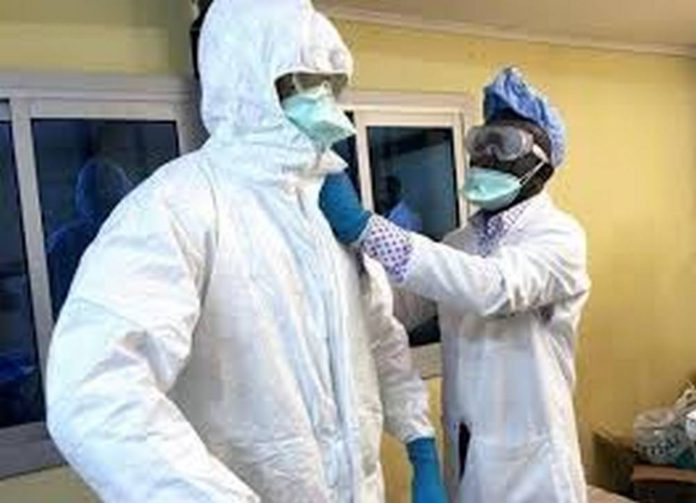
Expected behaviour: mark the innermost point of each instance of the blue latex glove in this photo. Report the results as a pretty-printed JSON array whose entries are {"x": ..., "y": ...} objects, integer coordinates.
[
  {"x": 427, "y": 485},
  {"x": 341, "y": 206}
]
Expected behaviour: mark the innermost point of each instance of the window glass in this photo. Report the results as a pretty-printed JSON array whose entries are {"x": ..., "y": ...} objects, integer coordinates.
[
  {"x": 85, "y": 167},
  {"x": 346, "y": 149},
  {"x": 21, "y": 399},
  {"x": 413, "y": 178},
  {"x": 414, "y": 186}
]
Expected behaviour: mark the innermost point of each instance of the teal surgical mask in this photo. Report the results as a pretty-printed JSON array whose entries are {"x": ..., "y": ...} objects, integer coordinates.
[
  {"x": 316, "y": 113},
  {"x": 492, "y": 190}
]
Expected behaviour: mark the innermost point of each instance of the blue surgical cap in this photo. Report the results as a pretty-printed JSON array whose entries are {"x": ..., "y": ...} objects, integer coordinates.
[{"x": 509, "y": 91}]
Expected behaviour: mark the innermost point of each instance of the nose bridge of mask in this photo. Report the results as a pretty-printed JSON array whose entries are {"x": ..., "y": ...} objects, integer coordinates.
[{"x": 327, "y": 111}]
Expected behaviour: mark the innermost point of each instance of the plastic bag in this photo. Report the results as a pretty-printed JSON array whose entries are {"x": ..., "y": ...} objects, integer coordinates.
[{"x": 661, "y": 434}]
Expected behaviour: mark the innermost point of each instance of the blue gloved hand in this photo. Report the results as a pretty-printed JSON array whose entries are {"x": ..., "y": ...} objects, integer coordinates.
[
  {"x": 341, "y": 206},
  {"x": 427, "y": 485}
]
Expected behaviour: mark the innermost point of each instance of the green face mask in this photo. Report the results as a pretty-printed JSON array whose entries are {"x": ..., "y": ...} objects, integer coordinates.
[
  {"x": 492, "y": 190},
  {"x": 316, "y": 113}
]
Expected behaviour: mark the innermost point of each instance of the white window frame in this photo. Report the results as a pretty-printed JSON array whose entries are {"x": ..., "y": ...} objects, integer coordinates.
[
  {"x": 396, "y": 109},
  {"x": 25, "y": 97}
]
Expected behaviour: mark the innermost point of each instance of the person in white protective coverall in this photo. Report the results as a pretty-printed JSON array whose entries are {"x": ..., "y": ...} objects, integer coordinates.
[
  {"x": 509, "y": 289},
  {"x": 218, "y": 344}
]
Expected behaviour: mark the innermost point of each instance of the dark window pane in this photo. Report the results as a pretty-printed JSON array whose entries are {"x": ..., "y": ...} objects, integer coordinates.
[
  {"x": 413, "y": 178},
  {"x": 20, "y": 379},
  {"x": 85, "y": 167},
  {"x": 414, "y": 186},
  {"x": 426, "y": 333},
  {"x": 346, "y": 149}
]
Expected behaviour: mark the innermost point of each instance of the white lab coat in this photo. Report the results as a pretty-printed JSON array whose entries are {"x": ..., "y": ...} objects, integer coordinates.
[
  {"x": 509, "y": 328},
  {"x": 217, "y": 344}
]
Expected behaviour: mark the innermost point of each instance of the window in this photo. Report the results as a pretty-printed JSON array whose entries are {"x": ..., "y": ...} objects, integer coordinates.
[
  {"x": 414, "y": 178},
  {"x": 85, "y": 167},
  {"x": 70, "y": 149},
  {"x": 346, "y": 149},
  {"x": 20, "y": 375},
  {"x": 407, "y": 161},
  {"x": 414, "y": 186}
]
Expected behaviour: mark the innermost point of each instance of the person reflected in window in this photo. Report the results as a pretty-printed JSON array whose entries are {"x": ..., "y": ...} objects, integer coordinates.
[
  {"x": 101, "y": 184},
  {"x": 400, "y": 213}
]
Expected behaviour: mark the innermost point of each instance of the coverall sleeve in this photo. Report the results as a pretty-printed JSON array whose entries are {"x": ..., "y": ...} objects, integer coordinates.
[
  {"x": 122, "y": 339},
  {"x": 412, "y": 309},
  {"x": 547, "y": 267},
  {"x": 403, "y": 392}
]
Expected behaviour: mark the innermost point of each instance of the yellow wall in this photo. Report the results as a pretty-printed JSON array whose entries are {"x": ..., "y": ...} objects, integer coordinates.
[
  {"x": 630, "y": 177},
  {"x": 114, "y": 36},
  {"x": 49, "y": 486}
]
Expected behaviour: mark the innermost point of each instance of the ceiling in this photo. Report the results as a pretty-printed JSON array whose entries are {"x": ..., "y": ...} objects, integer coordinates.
[{"x": 645, "y": 25}]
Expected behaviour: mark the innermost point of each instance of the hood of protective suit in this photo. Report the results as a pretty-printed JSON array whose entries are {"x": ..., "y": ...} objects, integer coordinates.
[
  {"x": 245, "y": 46},
  {"x": 100, "y": 187}
]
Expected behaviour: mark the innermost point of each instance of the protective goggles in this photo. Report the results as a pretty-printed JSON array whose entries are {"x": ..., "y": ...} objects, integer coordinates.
[
  {"x": 307, "y": 81},
  {"x": 505, "y": 143},
  {"x": 294, "y": 83}
]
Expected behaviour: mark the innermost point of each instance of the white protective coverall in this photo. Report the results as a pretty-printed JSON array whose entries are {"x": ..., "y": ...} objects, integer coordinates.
[
  {"x": 509, "y": 330},
  {"x": 217, "y": 344}
]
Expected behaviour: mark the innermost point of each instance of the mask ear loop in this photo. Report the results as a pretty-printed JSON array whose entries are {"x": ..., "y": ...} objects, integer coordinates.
[
  {"x": 539, "y": 152},
  {"x": 543, "y": 159},
  {"x": 524, "y": 180}
]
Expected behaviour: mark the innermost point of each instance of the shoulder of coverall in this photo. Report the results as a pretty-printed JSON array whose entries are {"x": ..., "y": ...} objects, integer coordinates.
[{"x": 180, "y": 194}]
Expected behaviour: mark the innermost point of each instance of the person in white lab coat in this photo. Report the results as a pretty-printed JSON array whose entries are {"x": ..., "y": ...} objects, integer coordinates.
[
  {"x": 218, "y": 344},
  {"x": 509, "y": 288}
]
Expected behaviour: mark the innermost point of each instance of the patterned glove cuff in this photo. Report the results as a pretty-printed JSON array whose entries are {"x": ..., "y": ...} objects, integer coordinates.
[{"x": 389, "y": 244}]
